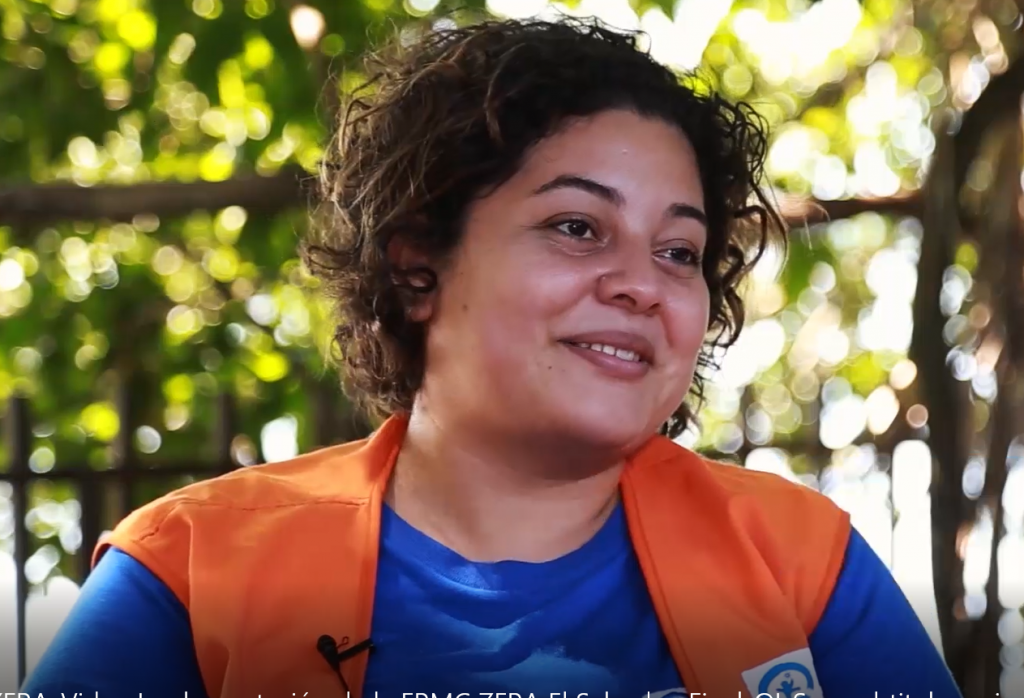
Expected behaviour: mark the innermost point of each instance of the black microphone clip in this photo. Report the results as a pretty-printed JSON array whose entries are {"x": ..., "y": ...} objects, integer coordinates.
[
  {"x": 328, "y": 649},
  {"x": 333, "y": 654}
]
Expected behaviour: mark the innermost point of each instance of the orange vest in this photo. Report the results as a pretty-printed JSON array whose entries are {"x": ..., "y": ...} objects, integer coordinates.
[{"x": 739, "y": 565}]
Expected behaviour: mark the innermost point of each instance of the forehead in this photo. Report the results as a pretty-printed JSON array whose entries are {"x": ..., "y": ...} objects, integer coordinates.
[{"x": 630, "y": 152}]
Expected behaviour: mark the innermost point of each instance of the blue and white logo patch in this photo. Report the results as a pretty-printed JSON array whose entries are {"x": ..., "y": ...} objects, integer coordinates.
[{"x": 790, "y": 676}]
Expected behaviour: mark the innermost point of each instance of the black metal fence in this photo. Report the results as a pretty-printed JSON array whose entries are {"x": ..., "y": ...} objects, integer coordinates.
[{"x": 93, "y": 487}]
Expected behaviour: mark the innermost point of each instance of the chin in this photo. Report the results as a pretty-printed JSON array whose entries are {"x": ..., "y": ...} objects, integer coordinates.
[{"x": 610, "y": 428}]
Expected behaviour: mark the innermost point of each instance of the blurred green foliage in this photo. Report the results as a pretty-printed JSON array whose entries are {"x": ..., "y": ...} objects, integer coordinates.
[{"x": 125, "y": 91}]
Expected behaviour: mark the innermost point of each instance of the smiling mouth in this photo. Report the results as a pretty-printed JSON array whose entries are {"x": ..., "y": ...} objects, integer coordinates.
[{"x": 619, "y": 353}]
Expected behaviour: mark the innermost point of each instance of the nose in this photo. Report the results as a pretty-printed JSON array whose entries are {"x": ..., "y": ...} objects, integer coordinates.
[{"x": 631, "y": 283}]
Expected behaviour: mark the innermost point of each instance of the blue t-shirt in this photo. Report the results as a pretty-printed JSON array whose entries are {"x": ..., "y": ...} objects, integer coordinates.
[{"x": 583, "y": 623}]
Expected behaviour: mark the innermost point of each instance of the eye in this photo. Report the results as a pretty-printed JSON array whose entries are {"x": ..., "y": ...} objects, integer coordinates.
[
  {"x": 576, "y": 228},
  {"x": 682, "y": 256}
]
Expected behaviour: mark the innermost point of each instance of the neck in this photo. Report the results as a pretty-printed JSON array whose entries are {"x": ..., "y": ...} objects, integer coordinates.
[{"x": 492, "y": 497}]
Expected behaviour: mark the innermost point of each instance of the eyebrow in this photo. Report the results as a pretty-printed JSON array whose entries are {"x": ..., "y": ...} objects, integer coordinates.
[{"x": 614, "y": 196}]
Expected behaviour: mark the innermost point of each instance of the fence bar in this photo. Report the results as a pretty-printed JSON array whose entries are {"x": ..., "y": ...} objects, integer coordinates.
[
  {"x": 90, "y": 505},
  {"x": 80, "y": 472},
  {"x": 324, "y": 413},
  {"x": 20, "y": 440},
  {"x": 225, "y": 434},
  {"x": 124, "y": 455},
  {"x": 92, "y": 485}
]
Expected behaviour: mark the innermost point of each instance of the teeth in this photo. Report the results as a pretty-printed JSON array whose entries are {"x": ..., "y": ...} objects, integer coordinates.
[
  {"x": 627, "y": 355},
  {"x": 624, "y": 354}
]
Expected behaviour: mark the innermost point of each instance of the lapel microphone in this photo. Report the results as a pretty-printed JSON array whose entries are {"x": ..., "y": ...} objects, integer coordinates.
[{"x": 334, "y": 656}]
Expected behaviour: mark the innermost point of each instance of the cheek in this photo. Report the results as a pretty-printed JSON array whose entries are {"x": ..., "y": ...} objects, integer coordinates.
[
  {"x": 521, "y": 293},
  {"x": 688, "y": 324},
  {"x": 505, "y": 309}
]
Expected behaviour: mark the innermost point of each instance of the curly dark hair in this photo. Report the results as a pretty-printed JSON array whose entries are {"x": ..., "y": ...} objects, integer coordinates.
[{"x": 449, "y": 119}]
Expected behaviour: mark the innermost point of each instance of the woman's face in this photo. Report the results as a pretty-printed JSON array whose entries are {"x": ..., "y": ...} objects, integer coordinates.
[{"x": 575, "y": 304}]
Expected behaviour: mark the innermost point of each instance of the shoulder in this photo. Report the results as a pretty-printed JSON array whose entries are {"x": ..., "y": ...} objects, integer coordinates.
[
  {"x": 106, "y": 643},
  {"x": 297, "y": 481},
  {"x": 784, "y": 516},
  {"x": 787, "y": 502},
  {"x": 749, "y": 494},
  {"x": 163, "y": 533},
  {"x": 869, "y": 617},
  {"x": 800, "y": 534},
  {"x": 793, "y": 532}
]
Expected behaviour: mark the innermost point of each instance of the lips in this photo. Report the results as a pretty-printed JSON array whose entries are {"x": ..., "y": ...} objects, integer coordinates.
[
  {"x": 624, "y": 354},
  {"x": 625, "y": 346}
]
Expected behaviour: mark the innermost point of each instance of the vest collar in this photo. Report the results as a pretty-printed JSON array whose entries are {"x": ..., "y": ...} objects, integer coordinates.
[{"x": 720, "y": 610}]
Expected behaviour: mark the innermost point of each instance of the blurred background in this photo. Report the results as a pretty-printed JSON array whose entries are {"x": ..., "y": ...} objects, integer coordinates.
[{"x": 156, "y": 326}]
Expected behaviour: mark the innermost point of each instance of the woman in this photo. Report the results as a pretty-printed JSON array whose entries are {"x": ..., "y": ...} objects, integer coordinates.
[{"x": 534, "y": 234}]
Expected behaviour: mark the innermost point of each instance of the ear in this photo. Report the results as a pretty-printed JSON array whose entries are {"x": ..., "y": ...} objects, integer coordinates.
[{"x": 415, "y": 276}]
